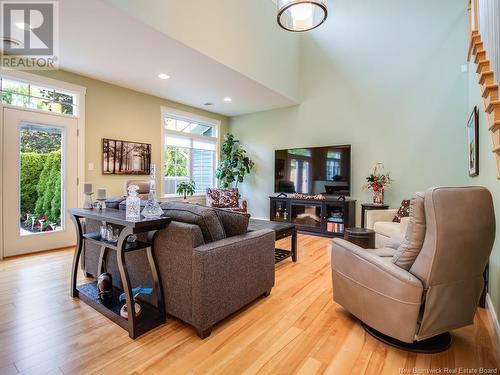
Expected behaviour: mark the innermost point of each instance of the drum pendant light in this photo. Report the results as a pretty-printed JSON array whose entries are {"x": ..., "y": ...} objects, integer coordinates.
[{"x": 301, "y": 15}]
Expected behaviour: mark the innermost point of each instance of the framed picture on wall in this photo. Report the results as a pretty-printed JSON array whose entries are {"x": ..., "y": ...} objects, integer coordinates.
[
  {"x": 473, "y": 143},
  {"x": 123, "y": 157}
]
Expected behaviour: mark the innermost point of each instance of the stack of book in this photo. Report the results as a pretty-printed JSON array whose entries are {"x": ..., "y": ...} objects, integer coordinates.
[{"x": 335, "y": 223}]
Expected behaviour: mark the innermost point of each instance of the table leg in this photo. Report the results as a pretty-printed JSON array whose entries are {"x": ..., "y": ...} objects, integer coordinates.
[
  {"x": 158, "y": 287},
  {"x": 294, "y": 245},
  {"x": 102, "y": 263},
  {"x": 122, "y": 267},
  {"x": 76, "y": 255}
]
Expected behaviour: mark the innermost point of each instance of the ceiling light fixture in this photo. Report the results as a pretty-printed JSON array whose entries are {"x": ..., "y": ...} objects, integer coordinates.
[
  {"x": 301, "y": 15},
  {"x": 163, "y": 76},
  {"x": 228, "y": 99}
]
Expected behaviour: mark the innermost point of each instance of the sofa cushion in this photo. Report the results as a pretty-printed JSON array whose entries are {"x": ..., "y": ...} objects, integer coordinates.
[
  {"x": 114, "y": 202},
  {"x": 234, "y": 223},
  {"x": 403, "y": 211},
  {"x": 205, "y": 217},
  {"x": 387, "y": 228},
  {"x": 415, "y": 233}
]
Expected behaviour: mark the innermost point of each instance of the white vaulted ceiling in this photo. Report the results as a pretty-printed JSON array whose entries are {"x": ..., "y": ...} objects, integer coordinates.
[{"x": 100, "y": 41}]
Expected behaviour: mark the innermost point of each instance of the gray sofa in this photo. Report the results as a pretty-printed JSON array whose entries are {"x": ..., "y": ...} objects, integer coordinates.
[{"x": 210, "y": 265}]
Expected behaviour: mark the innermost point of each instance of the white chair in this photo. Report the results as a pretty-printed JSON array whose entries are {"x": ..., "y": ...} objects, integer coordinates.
[{"x": 381, "y": 222}]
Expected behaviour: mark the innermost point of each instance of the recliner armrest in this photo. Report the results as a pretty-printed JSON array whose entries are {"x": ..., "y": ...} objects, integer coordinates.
[{"x": 372, "y": 272}]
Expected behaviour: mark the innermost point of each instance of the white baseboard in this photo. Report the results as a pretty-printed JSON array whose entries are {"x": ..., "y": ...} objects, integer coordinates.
[{"x": 494, "y": 319}]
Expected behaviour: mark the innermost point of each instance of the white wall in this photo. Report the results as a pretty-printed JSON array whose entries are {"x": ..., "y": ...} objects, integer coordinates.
[
  {"x": 384, "y": 77},
  {"x": 241, "y": 34}
]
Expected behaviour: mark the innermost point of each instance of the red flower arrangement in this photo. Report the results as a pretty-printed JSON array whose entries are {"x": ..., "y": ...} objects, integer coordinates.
[{"x": 378, "y": 181}]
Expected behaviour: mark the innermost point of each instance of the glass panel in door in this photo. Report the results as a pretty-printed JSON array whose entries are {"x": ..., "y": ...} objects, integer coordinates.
[{"x": 40, "y": 163}]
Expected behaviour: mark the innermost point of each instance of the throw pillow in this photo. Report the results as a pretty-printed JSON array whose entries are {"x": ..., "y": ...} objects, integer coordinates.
[
  {"x": 228, "y": 197},
  {"x": 414, "y": 237},
  {"x": 234, "y": 223},
  {"x": 404, "y": 211}
]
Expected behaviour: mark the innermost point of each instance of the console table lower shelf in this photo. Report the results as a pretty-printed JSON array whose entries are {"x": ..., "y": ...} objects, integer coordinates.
[{"x": 150, "y": 316}]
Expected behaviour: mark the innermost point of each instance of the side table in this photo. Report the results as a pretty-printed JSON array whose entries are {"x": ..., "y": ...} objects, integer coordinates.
[
  {"x": 151, "y": 316},
  {"x": 370, "y": 206},
  {"x": 362, "y": 237}
]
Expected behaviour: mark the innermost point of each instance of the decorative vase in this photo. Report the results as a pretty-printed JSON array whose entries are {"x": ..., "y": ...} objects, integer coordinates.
[
  {"x": 105, "y": 287},
  {"x": 152, "y": 208},
  {"x": 133, "y": 204},
  {"x": 378, "y": 196}
]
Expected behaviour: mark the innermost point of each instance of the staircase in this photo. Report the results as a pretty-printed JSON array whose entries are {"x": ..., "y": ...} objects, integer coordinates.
[{"x": 487, "y": 78}]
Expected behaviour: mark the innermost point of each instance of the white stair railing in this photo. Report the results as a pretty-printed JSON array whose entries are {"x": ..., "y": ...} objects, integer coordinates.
[{"x": 489, "y": 28}]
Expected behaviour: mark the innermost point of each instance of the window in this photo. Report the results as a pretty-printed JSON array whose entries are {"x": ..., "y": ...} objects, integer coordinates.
[
  {"x": 24, "y": 94},
  {"x": 333, "y": 162},
  {"x": 190, "y": 151}
]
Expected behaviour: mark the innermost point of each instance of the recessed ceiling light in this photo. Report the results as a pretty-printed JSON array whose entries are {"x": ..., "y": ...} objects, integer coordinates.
[
  {"x": 23, "y": 26},
  {"x": 163, "y": 76},
  {"x": 228, "y": 99}
]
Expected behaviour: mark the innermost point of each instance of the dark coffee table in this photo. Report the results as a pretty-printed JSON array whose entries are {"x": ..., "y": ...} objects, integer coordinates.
[
  {"x": 282, "y": 230},
  {"x": 362, "y": 237}
]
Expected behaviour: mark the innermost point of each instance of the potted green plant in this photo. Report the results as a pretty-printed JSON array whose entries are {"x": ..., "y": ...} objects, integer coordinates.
[
  {"x": 235, "y": 164},
  {"x": 185, "y": 189}
]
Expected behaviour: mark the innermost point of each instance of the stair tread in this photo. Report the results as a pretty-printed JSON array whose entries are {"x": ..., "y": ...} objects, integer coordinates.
[
  {"x": 488, "y": 88},
  {"x": 492, "y": 105},
  {"x": 496, "y": 124},
  {"x": 483, "y": 75}
]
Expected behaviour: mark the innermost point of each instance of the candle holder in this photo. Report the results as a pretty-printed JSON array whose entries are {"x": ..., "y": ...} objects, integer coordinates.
[
  {"x": 100, "y": 203},
  {"x": 87, "y": 200}
]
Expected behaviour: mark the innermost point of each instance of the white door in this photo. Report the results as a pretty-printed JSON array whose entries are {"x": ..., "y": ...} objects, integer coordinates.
[{"x": 39, "y": 180}]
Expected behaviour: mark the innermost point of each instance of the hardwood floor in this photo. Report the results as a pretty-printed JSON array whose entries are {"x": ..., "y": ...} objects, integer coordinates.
[{"x": 297, "y": 329}]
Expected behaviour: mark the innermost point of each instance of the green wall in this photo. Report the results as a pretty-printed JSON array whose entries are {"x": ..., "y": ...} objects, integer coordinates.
[
  {"x": 386, "y": 78},
  {"x": 119, "y": 113},
  {"x": 487, "y": 177}
]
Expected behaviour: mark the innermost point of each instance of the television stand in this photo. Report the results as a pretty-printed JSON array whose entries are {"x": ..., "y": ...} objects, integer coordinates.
[{"x": 327, "y": 217}]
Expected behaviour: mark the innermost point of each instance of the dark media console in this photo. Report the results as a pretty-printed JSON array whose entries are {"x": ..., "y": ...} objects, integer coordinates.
[{"x": 328, "y": 217}]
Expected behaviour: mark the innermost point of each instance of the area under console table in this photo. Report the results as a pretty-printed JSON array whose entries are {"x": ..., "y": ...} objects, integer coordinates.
[{"x": 151, "y": 316}]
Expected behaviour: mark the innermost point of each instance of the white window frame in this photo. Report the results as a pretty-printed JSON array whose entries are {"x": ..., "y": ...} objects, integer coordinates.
[{"x": 187, "y": 116}]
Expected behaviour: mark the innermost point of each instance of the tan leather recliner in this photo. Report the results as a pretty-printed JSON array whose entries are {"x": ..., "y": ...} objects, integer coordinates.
[{"x": 441, "y": 290}]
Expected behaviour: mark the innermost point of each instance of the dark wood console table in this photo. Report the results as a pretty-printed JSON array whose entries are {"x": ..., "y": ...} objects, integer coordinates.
[{"x": 151, "y": 316}]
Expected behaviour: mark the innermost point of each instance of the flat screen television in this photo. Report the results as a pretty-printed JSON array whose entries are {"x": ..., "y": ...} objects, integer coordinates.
[{"x": 313, "y": 170}]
